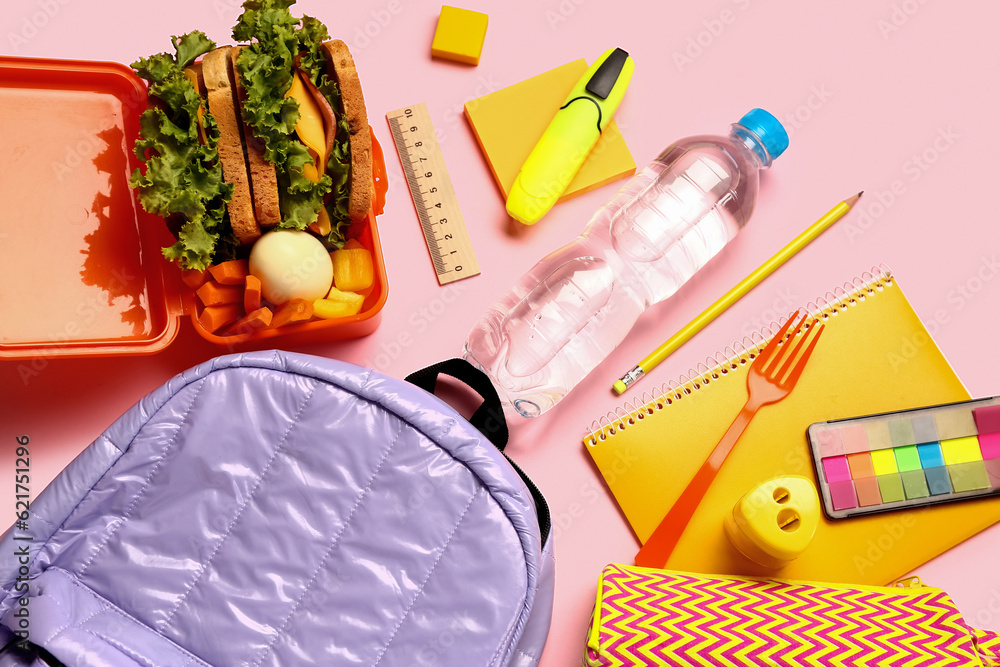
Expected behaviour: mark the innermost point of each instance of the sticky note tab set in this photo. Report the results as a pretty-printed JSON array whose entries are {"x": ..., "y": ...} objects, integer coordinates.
[{"x": 908, "y": 459}]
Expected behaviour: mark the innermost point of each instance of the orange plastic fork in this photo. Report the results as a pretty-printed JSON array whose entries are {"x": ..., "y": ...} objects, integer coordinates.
[{"x": 772, "y": 376}]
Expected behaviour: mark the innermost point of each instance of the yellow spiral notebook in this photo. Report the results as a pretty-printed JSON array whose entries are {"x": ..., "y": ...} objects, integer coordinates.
[{"x": 874, "y": 356}]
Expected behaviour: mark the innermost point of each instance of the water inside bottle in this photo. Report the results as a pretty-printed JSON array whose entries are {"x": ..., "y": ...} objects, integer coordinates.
[
  {"x": 545, "y": 320},
  {"x": 575, "y": 306},
  {"x": 681, "y": 220}
]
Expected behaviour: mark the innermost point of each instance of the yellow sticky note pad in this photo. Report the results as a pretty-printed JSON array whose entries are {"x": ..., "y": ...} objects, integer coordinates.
[
  {"x": 507, "y": 123},
  {"x": 460, "y": 35}
]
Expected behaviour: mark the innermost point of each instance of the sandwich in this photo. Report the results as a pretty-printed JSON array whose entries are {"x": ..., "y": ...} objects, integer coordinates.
[{"x": 272, "y": 134}]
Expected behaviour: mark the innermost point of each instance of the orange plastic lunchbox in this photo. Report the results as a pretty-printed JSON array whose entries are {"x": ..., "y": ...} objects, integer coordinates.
[{"x": 81, "y": 268}]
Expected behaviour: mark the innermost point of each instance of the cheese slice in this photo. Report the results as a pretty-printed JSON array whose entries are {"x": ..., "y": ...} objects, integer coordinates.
[
  {"x": 192, "y": 76},
  {"x": 309, "y": 128},
  {"x": 322, "y": 226}
]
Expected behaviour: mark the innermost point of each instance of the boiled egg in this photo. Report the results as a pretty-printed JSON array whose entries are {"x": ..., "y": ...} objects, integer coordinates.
[{"x": 291, "y": 265}]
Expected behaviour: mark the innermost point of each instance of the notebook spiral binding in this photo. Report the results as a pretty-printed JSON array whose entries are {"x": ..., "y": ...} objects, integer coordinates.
[{"x": 719, "y": 365}]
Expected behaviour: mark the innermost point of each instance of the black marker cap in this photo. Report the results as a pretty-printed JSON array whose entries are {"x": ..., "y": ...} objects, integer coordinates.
[{"x": 606, "y": 76}]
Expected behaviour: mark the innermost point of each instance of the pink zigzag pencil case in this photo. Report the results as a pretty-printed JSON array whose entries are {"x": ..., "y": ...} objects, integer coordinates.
[{"x": 656, "y": 617}]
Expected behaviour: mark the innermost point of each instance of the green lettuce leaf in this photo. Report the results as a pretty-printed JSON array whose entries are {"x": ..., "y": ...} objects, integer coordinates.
[
  {"x": 339, "y": 169},
  {"x": 311, "y": 35},
  {"x": 313, "y": 64},
  {"x": 182, "y": 177},
  {"x": 267, "y": 67},
  {"x": 190, "y": 46}
]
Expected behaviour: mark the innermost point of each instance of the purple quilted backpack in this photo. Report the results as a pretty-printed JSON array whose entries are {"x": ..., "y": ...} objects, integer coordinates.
[{"x": 273, "y": 508}]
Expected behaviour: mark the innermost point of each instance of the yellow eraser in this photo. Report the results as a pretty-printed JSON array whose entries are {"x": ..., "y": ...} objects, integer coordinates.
[
  {"x": 460, "y": 35},
  {"x": 620, "y": 387}
]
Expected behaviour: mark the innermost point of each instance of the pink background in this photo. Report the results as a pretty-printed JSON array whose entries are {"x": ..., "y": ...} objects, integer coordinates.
[{"x": 882, "y": 95}]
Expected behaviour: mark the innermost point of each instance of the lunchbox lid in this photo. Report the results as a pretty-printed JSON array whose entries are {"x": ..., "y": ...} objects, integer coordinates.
[{"x": 81, "y": 270}]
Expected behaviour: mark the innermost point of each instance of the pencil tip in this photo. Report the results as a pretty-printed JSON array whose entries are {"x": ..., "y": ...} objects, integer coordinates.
[{"x": 851, "y": 201}]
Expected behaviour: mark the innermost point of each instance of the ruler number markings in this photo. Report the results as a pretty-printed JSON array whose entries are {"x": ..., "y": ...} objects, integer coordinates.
[{"x": 433, "y": 195}]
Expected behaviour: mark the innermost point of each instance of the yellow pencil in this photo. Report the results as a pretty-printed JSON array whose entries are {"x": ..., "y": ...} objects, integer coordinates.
[{"x": 733, "y": 295}]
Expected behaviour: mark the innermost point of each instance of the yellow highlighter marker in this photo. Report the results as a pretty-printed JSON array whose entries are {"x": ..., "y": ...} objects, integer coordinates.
[{"x": 570, "y": 136}]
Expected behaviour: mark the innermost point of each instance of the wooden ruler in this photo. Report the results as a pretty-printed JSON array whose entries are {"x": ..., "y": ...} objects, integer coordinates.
[{"x": 433, "y": 194}]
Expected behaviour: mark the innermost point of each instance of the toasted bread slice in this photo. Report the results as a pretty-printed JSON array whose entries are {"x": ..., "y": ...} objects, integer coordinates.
[
  {"x": 263, "y": 180},
  {"x": 217, "y": 71},
  {"x": 340, "y": 66}
]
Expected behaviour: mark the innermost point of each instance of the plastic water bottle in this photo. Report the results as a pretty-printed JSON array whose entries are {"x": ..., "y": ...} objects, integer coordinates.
[{"x": 566, "y": 314}]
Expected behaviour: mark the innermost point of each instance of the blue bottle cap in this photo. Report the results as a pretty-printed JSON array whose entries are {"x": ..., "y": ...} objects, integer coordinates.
[{"x": 768, "y": 129}]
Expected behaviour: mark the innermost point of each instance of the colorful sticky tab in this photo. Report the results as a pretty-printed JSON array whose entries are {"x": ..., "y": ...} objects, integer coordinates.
[
  {"x": 907, "y": 458},
  {"x": 836, "y": 469},
  {"x": 955, "y": 423},
  {"x": 993, "y": 470},
  {"x": 831, "y": 442},
  {"x": 924, "y": 428},
  {"x": 938, "y": 481},
  {"x": 901, "y": 432},
  {"x": 884, "y": 462},
  {"x": 868, "y": 491},
  {"x": 843, "y": 496},
  {"x": 914, "y": 484},
  {"x": 878, "y": 435},
  {"x": 987, "y": 419},
  {"x": 969, "y": 476},
  {"x": 860, "y": 465},
  {"x": 930, "y": 455},
  {"x": 855, "y": 440},
  {"x": 989, "y": 445},
  {"x": 891, "y": 488},
  {"x": 961, "y": 450}
]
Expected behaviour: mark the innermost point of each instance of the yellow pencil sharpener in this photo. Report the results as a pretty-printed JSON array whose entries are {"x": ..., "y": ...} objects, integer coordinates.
[{"x": 775, "y": 522}]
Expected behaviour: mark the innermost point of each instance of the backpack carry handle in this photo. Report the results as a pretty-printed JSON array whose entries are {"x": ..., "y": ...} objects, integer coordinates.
[{"x": 488, "y": 418}]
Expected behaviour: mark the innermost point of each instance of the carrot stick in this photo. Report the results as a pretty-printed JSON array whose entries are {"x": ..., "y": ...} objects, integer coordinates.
[
  {"x": 215, "y": 294},
  {"x": 230, "y": 273},
  {"x": 213, "y": 318},
  {"x": 258, "y": 319},
  {"x": 251, "y": 297},
  {"x": 296, "y": 310},
  {"x": 194, "y": 278}
]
